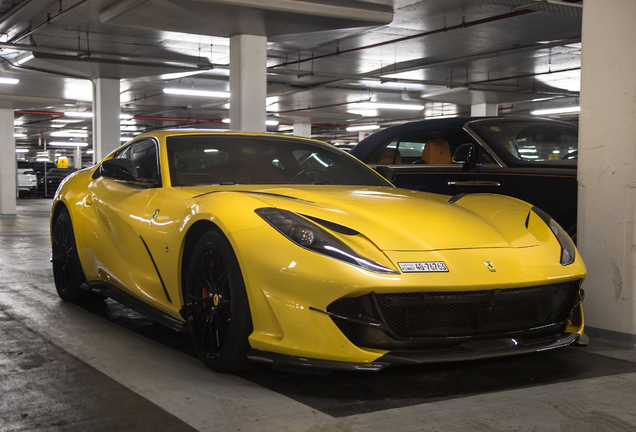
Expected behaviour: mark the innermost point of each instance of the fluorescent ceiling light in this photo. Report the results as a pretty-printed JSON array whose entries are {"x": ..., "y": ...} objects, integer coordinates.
[
  {"x": 21, "y": 150},
  {"x": 176, "y": 75},
  {"x": 267, "y": 122},
  {"x": 124, "y": 139},
  {"x": 5, "y": 80},
  {"x": 285, "y": 128},
  {"x": 362, "y": 128},
  {"x": 556, "y": 111},
  {"x": 82, "y": 114},
  {"x": 188, "y": 92},
  {"x": 24, "y": 60},
  {"x": 68, "y": 144},
  {"x": 89, "y": 151},
  {"x": 375, "y": 105},
  {"x": 69, "y": 134},
  {"x": 125, "y": 116},
  {"x": 19, "y": 135}
]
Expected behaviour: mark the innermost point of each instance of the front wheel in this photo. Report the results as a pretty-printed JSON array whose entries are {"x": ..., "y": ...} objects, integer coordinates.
[
  {"x": 216, "y": 305},
  {"x": 67, "y": 269}
]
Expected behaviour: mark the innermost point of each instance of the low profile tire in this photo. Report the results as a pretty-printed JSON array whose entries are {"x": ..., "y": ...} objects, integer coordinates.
[
  {"x": 67, "y": 269},
  {"x": 216, "y": 305}
]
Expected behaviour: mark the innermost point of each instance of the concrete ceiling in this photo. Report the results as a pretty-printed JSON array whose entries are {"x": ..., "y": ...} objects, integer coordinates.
[{"x": 323, "y": 58}]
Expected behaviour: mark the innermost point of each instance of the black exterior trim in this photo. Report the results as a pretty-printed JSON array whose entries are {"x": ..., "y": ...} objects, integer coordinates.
[
  {"x": 457, "y": 197},
  {"x": 156, "y": 269},
  {"x": 473, "y": 350},
  {"x": 440, "y": 320},
  {"x": 300, "y": 363},
  {"x": 137, "y": 305},
  {"x": 476, "y": 350}
]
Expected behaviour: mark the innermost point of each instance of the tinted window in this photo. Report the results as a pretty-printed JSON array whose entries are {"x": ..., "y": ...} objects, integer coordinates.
[
  {"x": 144, "y": 155},
  {"x": 222, "y": 159},
  {"x": 409, "y": 148},
  {"x": 534, "y": 141}
]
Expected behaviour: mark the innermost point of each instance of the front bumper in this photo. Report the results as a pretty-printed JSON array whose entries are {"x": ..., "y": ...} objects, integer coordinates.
[{"x": 473, "y": 350}]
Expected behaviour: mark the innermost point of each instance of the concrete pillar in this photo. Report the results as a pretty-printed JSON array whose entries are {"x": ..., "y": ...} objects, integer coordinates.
[
  {"x": 483, "y": 110},
  {"x": 7, "y": 164},
  {"x": 607, "y": 168},
  {"x": 302, "y": 129},
  {"x": 78, "y": 157},
  {"x": 106, "y": 110},
  {"x": 248, "y": 82}
]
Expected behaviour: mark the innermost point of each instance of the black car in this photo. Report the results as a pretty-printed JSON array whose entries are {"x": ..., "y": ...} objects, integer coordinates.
[
  {"x": 54, "y": 177},
  {"x": 530, "y": 159},
  {"x": 40, "y": 168}
]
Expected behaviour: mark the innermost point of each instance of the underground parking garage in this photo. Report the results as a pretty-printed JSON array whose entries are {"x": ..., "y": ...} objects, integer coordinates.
[{"x": 332, "y": 351}]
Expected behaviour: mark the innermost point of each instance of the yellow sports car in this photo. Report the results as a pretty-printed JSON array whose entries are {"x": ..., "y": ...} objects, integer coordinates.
[{"x": 286, "y": 250}]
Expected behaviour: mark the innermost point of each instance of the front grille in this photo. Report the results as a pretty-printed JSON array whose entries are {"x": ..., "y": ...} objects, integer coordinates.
[{"x": 465, "y": 313}]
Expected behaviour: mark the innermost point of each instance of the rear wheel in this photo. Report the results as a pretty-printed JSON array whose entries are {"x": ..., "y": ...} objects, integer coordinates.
[
  {"x": 67, "y": 269},
  {"x": 216, "y": 305}
]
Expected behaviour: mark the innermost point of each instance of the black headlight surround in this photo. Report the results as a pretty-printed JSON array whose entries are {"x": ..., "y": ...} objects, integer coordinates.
[
  {"x": 568, "y": 250},
  {"x": 311, "y": 236}
]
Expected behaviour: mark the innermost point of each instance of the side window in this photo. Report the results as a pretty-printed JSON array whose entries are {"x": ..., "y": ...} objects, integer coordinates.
[
  {"x": 423, "y": 147},
  {"x": 144, "y": 155}
]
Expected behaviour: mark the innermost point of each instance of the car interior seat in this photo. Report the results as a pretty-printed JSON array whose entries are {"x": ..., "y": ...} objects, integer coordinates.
[
  {"x": 387, "y": 155},
  {"x": 436, "y": 151}
]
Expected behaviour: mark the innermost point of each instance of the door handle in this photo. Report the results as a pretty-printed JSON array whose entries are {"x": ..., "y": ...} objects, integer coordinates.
[{"x": 474, "y": 183}]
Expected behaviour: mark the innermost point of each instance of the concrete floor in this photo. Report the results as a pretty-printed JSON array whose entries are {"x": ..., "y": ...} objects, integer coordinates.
[{"x": 105, "y": 368}]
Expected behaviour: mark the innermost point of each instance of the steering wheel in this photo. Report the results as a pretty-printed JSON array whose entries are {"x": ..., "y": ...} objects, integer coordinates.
[{"x": 305, "y": 173}]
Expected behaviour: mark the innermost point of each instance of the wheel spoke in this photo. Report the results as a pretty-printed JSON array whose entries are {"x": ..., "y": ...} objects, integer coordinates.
[{"x": 209, "y": 281}]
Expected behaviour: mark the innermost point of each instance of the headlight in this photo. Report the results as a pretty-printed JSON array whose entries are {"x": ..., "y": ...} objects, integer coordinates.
[
  {"x": 310, "y": 236},
  {"x": 567, "y": 246}
]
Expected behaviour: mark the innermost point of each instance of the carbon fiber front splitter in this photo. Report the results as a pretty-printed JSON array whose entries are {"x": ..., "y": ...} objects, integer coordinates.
[{"x": 473, "y": 350}]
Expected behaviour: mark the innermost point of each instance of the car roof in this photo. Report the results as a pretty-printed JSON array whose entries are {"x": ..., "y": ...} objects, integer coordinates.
[{"x": 371, "y": 143}]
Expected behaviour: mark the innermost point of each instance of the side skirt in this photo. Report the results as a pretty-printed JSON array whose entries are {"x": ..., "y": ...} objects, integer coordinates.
[{"x": 137, "y": 305}]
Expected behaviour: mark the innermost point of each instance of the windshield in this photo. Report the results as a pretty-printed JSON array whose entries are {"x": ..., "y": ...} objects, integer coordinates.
[
  {"x": 222, "y": 159},
  {"x": 534, "y": 141}
]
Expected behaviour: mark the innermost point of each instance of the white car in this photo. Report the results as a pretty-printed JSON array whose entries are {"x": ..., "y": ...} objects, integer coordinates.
[{"x": 27, "y": 180}]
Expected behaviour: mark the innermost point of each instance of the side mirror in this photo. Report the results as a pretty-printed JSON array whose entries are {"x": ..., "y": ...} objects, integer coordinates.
[
  {"x": 118, "y": 169},
  {"x": 465, "y": 155},
  {"x": 386, "y": 172}
]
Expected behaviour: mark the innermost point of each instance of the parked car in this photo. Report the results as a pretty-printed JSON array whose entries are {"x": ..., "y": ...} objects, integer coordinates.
[
  {"x": 27, "y": 180},
  {"x": 40, "y": 168},
  {"x": 527, "y": 158},
  {"x": 54, "y": 177},
  {"x": 286, "y": 250}
]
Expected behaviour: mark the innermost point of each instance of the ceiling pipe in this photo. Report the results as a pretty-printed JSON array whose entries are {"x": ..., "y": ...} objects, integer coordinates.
[
  {"x": 374, "y": 14},
  {"x": 525, "y": 75},
  {"x": 177, "y": 119},
  {"x": 42, "y": 113},
  {"x": 79, "y": 55},
  {"x": 48, "y": 21},
  {"x": 444, "y": 29},
  {"x": 412, "y": 67},
  {"x": 15, "y": 10},
  {"x": 309, "y": 108}
]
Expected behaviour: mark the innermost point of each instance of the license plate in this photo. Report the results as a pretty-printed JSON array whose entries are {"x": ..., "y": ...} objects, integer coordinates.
[{"x": 424, "y": 267}]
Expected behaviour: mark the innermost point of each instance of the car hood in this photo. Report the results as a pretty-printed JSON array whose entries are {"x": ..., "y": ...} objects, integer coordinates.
[{"x": 400, "y": 219}]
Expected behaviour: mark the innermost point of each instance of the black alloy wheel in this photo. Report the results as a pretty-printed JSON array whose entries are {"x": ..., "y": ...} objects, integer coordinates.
[
  {"x": 67, "y": 269},
  {"x": 216, "y": 305}
]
